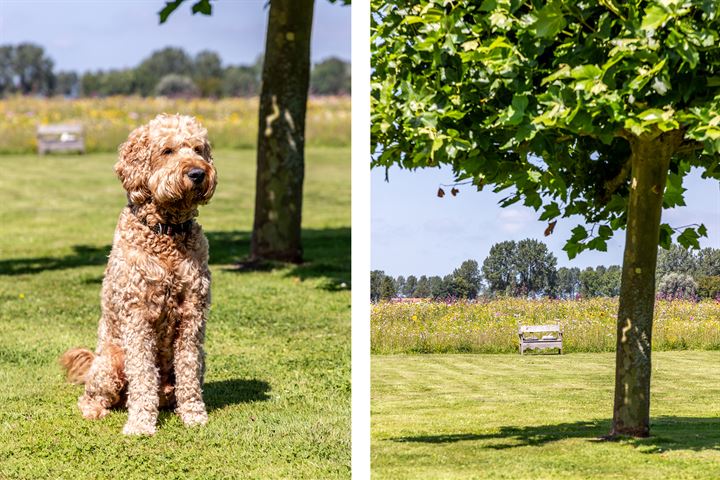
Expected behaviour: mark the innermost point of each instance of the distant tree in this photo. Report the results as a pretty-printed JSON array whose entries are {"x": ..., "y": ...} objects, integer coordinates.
[
  {"x": 330, "y": 77},
  {"x": 159, "y": 64},
  {"x": 709, "y": 286},
  {"x": 208, "y": 73},
  {"x": 612, "y": 281},
  {"x": 66, "y": 83},
  {"x": 117, "y": 82},
  {"x": 708, "y": 262},
  {"x": 423, "y": 288},
  {"x": 677, "y": 286},
  {"x": 568, "y": 281},
  {"x": 438, "y": 288},
  {"x": 388, "y": 289},
  {"x": 176, "y": 86},
  {"x": 33, "y": 70},
  {"x": 590, "y": 283},
  {"x": 676, "y": 259},
  {"x": 535, "y": 266},
  {"x": 7, "y": 69},
  {"x": 240, "y": 81},
  {"x": 90, "y": 83},
  {"x": 410, "y": 286},
  {"x": 499, "y": 267},
  {"x": 376, "y": 283},
  {"x": 400, "y": 284},
  {"x": 466, "y": 280}
]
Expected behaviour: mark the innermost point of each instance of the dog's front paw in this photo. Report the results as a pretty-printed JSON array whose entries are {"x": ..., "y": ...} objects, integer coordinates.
[
  {"x": 136, "y": 428},
  {"x": 91, "y": 409},
  {"x": 195, "y": 415}
]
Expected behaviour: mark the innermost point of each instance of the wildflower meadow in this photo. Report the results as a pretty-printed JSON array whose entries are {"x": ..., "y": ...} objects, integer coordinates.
[
  {"x": 107, "y": 121},
  {"x": 589, "y": 325}
]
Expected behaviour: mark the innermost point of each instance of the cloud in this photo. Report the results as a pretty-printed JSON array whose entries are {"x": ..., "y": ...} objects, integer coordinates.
[{"x": 514, "y": 220}]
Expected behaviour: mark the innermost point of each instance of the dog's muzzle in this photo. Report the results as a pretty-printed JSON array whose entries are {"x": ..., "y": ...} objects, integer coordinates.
[{"x": 197, "y": 175}]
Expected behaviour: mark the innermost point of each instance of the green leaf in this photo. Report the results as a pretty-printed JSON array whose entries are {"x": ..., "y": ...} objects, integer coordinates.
[
  {"x": 168, "y": 9},
  {"x": 203, "y": 6},
  {"x": 605, "y": 231},
  {"x": 572, "y": 248},
  {"x": 412, "y": 19},
  {"x": 550, "y": 20},
  {"x": 579, "y": 233},
  {"x": 564, "y": 72},
  {"x": 598, "y": 243},
  {"x": 654, "y": 17},
  {"x": 666, "y": 233},
  {"x": 586, "y": 72},
  {"x": 551, "y": 211},
  {"x": 689, "y": 238}
]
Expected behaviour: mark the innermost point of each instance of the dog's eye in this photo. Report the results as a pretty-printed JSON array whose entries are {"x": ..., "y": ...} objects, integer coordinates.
[
  {"x": 167, "y": 151},
  {"x": 199, "y": 150}
]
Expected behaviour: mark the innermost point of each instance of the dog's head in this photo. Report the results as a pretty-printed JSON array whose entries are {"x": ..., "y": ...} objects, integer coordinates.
[{"x": 169, "y": 162}]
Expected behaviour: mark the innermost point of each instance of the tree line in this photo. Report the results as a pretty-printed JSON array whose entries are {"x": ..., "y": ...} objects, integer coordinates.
[
  {"x": 528, "y": 269},
  {"x": 27, "y": 70}
]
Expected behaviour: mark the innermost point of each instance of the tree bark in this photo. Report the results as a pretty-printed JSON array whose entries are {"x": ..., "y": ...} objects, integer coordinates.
[
  {"x": 281, "y": 133},
  {"x": 650, "y": 161}
]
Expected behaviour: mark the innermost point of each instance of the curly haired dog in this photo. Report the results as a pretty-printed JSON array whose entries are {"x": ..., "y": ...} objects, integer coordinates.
[{"x": 156, "y": 290}]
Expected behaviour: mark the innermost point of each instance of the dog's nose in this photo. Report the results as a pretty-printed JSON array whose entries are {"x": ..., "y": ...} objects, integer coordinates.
[{"x": 197, "y": 175}]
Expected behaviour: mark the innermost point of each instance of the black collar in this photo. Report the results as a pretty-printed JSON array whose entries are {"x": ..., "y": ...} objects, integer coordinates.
[
  {"x": 164, "y": 228},
  {"x": 170, "y": 228}
]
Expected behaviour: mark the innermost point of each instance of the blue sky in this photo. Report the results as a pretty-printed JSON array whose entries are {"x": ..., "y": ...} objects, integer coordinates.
[
  {"x": 102, "y": 34},
  {"x": 415, "y": 232}
]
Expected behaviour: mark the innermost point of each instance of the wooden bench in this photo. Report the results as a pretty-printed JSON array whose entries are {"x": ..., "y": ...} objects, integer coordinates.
[
  {"x": 530, "y": 341},
  {"x": 65, "y": 137}
]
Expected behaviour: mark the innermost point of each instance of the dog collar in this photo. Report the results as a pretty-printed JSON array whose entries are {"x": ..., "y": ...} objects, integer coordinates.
[{"x": 170, "y": 228}]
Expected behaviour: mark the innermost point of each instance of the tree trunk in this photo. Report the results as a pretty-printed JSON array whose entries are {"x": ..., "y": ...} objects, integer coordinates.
[
  {"x": 281, "y": 133},
  {"x": 650, "y": 160}
]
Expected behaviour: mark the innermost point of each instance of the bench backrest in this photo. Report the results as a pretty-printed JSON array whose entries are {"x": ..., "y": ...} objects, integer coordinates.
[
  {"x": 59, "y": 129},
  {"x": 539, "y": 328}
]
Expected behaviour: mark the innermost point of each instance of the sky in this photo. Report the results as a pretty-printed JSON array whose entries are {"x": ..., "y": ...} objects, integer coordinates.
[
  {"x": 102, "y": 34},
  {"x": 413, "y": 231}
]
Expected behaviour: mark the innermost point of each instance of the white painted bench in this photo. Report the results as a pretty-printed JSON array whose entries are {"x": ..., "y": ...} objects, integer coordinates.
[
  {"x": 528, "y": 341},
  {"x": 65, "y": 137}
]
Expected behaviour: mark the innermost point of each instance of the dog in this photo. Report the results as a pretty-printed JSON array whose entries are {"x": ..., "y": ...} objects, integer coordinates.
[{"x": 156, "y": 288}]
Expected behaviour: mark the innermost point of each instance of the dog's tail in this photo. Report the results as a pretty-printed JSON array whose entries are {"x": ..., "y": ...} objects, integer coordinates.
[{"x": 76, "y": 363}]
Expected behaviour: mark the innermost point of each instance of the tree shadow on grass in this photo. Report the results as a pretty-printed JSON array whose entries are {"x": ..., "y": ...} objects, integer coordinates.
[
  {"x": 82, "y": 256},
  {"x": 220, "y": 394},
  {"x": 326, "y": 254},
  {"x": 668, "y": 433}
]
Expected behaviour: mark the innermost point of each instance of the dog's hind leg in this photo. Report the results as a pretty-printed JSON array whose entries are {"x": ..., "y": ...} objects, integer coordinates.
[{"x": 103, "y": 383}]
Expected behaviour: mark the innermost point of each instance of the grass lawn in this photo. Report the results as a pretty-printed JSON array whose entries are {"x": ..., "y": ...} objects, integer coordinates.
[
  {"x": 539, "y": 417},
  {"x": 278, "y": 342}
]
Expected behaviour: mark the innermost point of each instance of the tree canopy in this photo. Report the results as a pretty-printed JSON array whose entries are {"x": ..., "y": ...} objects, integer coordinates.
[{"x": 548, "y": 97}]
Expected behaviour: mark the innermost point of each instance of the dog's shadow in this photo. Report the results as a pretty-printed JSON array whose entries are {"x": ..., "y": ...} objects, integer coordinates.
[{"x": 222, "y": 393}]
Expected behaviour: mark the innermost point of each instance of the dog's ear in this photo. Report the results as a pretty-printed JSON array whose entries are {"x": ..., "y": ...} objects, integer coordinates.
[{"x": 133, "y": 165}]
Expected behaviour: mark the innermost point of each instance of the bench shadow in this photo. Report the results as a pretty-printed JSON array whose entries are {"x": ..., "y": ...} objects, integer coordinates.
[
  {"x": 222, "y": 393},
  {"x": 668, "y": 433}
]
